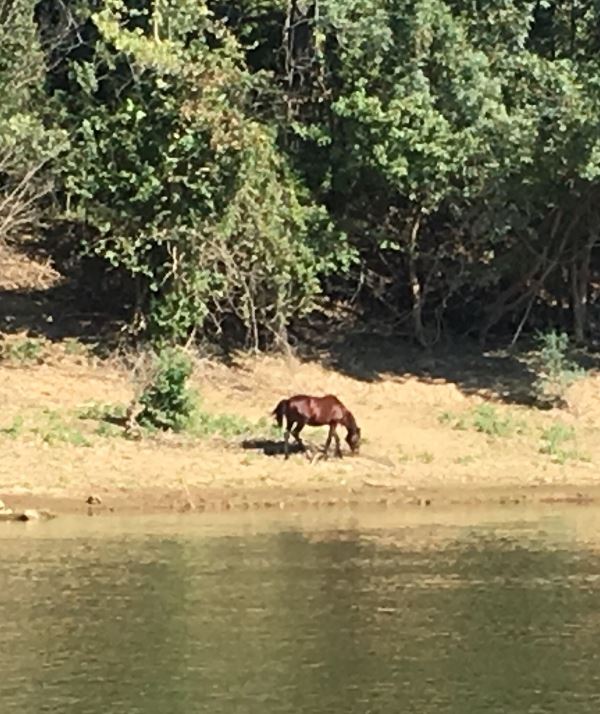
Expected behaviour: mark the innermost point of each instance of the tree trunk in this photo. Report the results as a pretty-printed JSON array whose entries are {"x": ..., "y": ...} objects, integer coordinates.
[
  {"x": 417, "y": 294},
  {"x": 580, "y": 278}
]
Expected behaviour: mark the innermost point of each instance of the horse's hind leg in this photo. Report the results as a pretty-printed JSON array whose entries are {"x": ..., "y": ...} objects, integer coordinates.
[{"x": 286, "y": 439}]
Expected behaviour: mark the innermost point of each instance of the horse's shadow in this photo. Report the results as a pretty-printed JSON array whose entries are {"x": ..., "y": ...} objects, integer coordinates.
[{"x": 270, "y": 447}]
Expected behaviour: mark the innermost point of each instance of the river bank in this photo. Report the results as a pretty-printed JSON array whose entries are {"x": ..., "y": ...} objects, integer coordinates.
[{"x": 428, "y": 439}]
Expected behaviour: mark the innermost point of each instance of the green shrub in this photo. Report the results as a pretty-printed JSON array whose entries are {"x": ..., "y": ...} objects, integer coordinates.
[
  {"x": 555, "y": 370},
  {"x": 22, "y": 351},
  {"x": 166, "y": 402}
]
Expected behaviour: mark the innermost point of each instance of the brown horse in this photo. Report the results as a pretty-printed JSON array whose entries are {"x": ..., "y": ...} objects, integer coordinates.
[{"x": 302, "y": 410}]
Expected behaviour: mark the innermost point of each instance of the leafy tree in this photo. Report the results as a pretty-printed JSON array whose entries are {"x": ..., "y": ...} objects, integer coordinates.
[
  {"x": 27, "y": 145},
  {"x": 439, "y": 158},
  {"x": 185, "y": 186}
]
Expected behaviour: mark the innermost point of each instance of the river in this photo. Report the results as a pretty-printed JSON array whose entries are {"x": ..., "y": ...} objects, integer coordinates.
[{"x": 386, "y": 612}]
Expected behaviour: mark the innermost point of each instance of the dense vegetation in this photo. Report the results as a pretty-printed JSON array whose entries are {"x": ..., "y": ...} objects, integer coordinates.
[{"x": 435, "y": 163}]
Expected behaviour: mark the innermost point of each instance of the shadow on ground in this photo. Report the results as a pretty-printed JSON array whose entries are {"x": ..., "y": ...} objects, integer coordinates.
[
  {"x": 508, "y": 375},
  {"x": 48, "y": 292},
  {"x": 53, "y": 314},
  {"x": 270, "y": 447}
]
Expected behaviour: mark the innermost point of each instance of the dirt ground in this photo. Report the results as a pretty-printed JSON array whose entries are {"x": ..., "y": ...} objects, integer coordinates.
[{"x": 426, "y": 440}]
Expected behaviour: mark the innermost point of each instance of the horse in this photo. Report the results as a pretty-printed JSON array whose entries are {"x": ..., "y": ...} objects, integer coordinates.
[{"x": 302, "y": 410}]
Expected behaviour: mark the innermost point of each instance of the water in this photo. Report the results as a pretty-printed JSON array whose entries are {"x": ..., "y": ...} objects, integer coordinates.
[{"x": 390, "y": 612}]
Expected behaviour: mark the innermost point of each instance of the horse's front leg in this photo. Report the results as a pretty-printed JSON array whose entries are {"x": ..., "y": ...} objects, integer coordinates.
[
  {"x": 338, "y": 448},
  {"x": 329, "y": 438}
]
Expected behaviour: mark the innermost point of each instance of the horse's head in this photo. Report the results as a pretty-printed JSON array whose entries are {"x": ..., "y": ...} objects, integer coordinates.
[{"x": 353, "y": 439}]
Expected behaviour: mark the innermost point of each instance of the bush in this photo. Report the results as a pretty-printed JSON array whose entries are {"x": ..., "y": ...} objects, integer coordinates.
[
  {"x": 166, "y": 402},
  {"x": 555, "y": 370}
]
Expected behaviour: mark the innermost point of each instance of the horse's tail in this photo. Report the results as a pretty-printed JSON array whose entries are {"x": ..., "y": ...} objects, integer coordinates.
[{"x": 279, "y": 412}]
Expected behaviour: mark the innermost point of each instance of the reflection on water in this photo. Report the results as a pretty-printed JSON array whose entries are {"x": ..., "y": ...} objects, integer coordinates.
[{"x": 387, "y": 612}]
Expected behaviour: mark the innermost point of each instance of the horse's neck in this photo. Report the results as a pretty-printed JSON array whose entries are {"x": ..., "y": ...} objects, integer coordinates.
[{"x": 349, "y": 421}]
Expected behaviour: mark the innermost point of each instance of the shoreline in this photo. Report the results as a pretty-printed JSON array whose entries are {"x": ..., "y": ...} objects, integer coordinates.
[{"x": 261, "y": 499}]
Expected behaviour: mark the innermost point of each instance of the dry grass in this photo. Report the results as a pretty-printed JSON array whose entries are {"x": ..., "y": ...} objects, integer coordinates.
[{"x": 21, "y": 272}]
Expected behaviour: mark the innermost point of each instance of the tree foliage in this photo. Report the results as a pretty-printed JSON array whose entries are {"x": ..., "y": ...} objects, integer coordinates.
[
  {"x": 436, "y": 160},
  {"x": 29, "y": 141}
]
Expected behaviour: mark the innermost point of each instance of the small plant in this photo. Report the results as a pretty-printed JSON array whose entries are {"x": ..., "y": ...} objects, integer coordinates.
[
  {"x": 166, "y": 402},
  {"x": 556, "y": 371},
  {"x": 487, "y": 420},
  {"x": 22, "y": 351},
  {"x": 458, "y": 422},
  {"x": 554, "y": 440},
  {"x": 425, "y": 457}
]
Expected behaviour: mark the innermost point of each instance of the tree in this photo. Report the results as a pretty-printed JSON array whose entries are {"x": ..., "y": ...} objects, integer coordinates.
[
  {"x": 183, "y": 182},
  {"x": 27, "y": 145}
]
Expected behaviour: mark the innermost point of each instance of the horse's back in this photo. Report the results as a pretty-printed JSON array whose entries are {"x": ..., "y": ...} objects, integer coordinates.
[
  {"x": 299, "y": 406},
  {"x": 315, "y": 411}
]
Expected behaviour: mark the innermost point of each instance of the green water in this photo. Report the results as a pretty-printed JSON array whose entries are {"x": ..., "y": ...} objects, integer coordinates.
[{"x": 377, "y": 613}]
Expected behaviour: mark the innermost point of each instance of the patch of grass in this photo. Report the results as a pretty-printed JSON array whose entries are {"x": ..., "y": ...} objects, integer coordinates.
[
  {"x": 102, "y": 412},
  {"x": 55, "y": 430},
  {"x": 72, "y": 346},
  {"x": 199, "y": 423},
  {"x": 465, "y": 460},
  {"x": 268, "y": 428},
  {"x": 403, "y": 457},
  {"x": 22, "y": 351},
  {"x": 110, "y": 418},
  {"x": 456, "y": 421},
  {"x": 486, "y": 419},
  {"x": 424, "y": 457},
  {"x": 227, "y": 425},
  {"x": 15, "y": 429},
  {"x": 108, "y": 430},
  {"x": 559, "y": 442}
]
